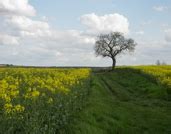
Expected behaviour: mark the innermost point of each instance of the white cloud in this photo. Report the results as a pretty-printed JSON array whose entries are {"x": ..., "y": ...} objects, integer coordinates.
[
  {"x": 6, "y": 39},
  {"x": 41, "y": 31},
  {"x": 168, "y": 35},
  {"x": 139, "y": 32},
  {"x": 160, "y": 8},
  {"x": 73, "y": 38},
  {"x": 16, "y": 7},
  {"x": 40, "y": 44},
  {"x": 29, "y": 27},
  {"x": 106, "y": 23},
  {"x": 148, "y": 52}
]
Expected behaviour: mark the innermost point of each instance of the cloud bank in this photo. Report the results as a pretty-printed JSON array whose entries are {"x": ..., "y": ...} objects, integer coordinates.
[
  {"x": 16, "y": 7},
  {"x": 106, "y": 23}
]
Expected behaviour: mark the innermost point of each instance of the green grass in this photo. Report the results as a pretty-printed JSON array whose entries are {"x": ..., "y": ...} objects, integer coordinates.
[{"x": 123, "y": 102}]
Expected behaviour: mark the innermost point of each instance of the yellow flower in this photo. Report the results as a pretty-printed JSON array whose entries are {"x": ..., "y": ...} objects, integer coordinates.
[
  {"x": 7, "y": 99},
  {"x": 18, "y": 108},
  {"x": 50, "y": 100},
  {"x": 8, "y": 108},
  {"x": 35, "y": 93}
]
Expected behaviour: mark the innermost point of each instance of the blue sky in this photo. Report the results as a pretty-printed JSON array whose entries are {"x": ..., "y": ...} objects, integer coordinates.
[
  {"x": 58, "y": 32},
  {"x": 66, "y": 13}
]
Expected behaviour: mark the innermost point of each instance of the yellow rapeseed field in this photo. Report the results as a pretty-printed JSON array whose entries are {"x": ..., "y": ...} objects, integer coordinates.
[
  {"x": 36, "y": 100},
  {"x": 161, "y": 73}
]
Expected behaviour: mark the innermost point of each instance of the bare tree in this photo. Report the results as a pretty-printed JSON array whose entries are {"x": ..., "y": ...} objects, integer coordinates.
[
  {"x": 158, "y": 63},
  {"x": 113, "y": 44},
  {"x": 164, "y": 63}
]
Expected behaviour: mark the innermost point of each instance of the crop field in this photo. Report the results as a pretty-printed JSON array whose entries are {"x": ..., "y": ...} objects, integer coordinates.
[
  {"x": 128, "y": 100},
  {"x": 40, "y": 100},
  {"x": 161, "y": 74}
]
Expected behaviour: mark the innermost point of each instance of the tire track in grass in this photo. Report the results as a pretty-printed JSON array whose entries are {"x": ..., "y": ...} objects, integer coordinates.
[
  {"x": 113, "y": 109},
  {"x": 116, "y": 89},
  {"x": 96, "y": 118}
]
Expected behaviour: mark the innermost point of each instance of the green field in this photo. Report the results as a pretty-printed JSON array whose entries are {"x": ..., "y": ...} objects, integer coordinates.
[
  {"x": 126, "y": 101},
  {"x": 129, "y": 100}
]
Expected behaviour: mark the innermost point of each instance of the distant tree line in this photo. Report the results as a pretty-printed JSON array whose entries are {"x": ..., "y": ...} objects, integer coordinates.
[{"x": 158, "y": 63}]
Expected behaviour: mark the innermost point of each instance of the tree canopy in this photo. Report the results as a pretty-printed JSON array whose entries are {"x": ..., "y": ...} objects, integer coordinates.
[{"x": 113, "y": 44}]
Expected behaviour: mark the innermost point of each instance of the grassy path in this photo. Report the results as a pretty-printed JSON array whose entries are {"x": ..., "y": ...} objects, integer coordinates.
[{"x": 123, "y": 102}]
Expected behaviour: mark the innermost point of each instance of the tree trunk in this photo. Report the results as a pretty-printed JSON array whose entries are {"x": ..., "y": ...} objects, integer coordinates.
[{"x": 114, "y": 63}]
